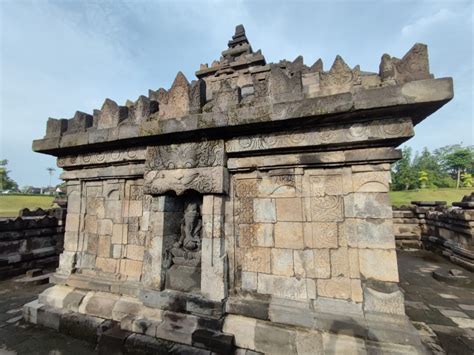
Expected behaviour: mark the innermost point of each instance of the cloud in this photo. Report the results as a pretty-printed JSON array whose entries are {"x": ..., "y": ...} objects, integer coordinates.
[
  {"x": 425, "y": 23},
  {"x": 61, "y": 56}
]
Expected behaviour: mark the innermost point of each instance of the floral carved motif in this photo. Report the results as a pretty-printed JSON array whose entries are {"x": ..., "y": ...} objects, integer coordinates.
[
  {"x": 327, "y": 209},
  {"x": 246, "y": 188},
  {"x": 186, "y": 155},
  {"x": 113, "y": 156},
  {"x": 203, "y": 180}
]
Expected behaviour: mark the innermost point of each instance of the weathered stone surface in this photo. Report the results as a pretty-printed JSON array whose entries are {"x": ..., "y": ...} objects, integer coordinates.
[
  {"x": 243, "y": 329},
  {"x": 183, "y": 278},
  {"x": 263, "y": 234},
  {"x": 342, "y": 344},
  {"x": 369, "y": 233},
  {"x": 327, "y": 209},
  {"x": 249, "y": 281},
  {"x": 249, "y": 307},
  {"x": 339, "y": 262},
  {"x": 282, "y": 262},
  {"x": 368, "y": 205},
  {"x": 100, "y": 305},
  {"x": 290, "y": 312},
  {"x": 337, "y": 306},
  {"x": 383, "y": 302},
  {"x": 81, "y": 326},
  {"x": 337, "y": 287},
  {"x": 270, "y": 339},
  {"x": 324, "y": 235},
  {"x": 186, "y": 156},
  {"x": 289, "y": 209},
  {"x": 256, "y": 259},
  {"x": 280, "y": 286},
  {"x": 289, "y": 235},
  {"x": 212, "y": 340},
  {"x": 30, "y": 311},
  {"x": 264, "y": 210},
  {"x": 378, "y": 264},
  {"x": 308, "y": 343},
  {"x": 55, "y": 296},
  {"x": 203, "y": 180}
]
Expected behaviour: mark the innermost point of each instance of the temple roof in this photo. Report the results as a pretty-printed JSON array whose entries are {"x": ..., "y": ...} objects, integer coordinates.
[
  {"x": 242, "y": 90},
  {"x": 239, "y": 55}
]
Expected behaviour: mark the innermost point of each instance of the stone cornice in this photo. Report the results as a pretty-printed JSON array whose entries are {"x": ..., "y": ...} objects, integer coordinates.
[{"x": 415, "y": 100}]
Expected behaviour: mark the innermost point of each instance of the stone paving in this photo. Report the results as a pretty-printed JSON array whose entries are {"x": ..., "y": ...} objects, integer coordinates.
[
  {"x": 444, "y": 314},
  {"x": 18, "y": 337}
]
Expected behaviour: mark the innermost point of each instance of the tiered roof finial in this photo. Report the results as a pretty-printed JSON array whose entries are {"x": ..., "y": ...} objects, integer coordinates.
[
  {"x": 239, "y": 37},
  {"x": 239, "y": 55}
]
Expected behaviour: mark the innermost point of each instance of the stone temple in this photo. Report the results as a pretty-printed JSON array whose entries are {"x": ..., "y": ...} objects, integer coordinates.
[{"x": 246, "y": 211}]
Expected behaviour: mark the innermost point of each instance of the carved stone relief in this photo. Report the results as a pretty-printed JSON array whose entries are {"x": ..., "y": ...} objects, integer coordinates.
[
  {"x": 114, "y": 156},
  {"x": 186, "y": 155},
  {"x": 182, "y": 258},
  {"x": 203, "y": 180},
  {"x": 347, "y": 133}
]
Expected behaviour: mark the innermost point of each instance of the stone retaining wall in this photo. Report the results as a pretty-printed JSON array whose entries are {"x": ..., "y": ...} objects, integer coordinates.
[
  {"x": 433, "y": 226},
  {"x": 32, "y": 240}
]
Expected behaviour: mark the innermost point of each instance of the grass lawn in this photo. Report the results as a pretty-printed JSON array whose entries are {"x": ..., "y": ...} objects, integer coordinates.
[
  {"x": 449, "y": 195},
  {"x": 10, "y": 205}
]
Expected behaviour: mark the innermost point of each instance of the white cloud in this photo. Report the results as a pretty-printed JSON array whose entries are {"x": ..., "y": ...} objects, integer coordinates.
[{"x": 425, "y": 23}]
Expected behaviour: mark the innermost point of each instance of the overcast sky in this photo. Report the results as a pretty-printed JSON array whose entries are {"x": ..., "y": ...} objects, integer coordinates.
[{"x": 61, "y": 56}]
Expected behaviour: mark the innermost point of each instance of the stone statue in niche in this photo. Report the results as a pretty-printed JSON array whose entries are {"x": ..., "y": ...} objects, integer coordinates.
[
  {"x": 187, "y": 250},
  {"x": 183, "y": 257}
]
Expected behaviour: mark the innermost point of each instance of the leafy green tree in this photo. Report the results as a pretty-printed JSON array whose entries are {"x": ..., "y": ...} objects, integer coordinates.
[
  {"x": 466, "y": 179},
  {"x": 423, "y": 179},
  {"x": 6, "y": 183},
  {"x": 456, "y": 160},
  {"x": 430, "y": 164},
  {"x": 403, "y": 176}
]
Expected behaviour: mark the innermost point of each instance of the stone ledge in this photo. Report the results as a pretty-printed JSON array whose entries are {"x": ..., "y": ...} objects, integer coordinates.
[
  {"x": 109, "y": 335},
  {"x": 319, "y": 159},
  {"x": 268, "y": 337},
  {"x": 422, "y": 97},
  {"x": 343, "y": 321}
]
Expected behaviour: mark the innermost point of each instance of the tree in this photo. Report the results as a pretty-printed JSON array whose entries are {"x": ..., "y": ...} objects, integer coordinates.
[
  {"x": 403, "y": 176},
  {"x": 6, "y": 183},
  {"x": 428, "y": 163},
  {"x": 466, "y": 179},
  {"x": 423, "y": 179},
  {"x": 457, "y": 159}
]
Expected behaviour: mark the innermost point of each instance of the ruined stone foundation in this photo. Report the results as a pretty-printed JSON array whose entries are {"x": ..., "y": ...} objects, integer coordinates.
[{"x": 245, "y": 211}]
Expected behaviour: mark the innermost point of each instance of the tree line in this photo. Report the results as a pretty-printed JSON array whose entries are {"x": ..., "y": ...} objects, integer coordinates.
[
  {"x": 10, "y": 185},
  {"x": 6, "y": 182},
  {"x": 448, "y": 166}
]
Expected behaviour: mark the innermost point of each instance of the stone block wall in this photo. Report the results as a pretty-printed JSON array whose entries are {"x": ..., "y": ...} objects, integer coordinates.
[
  {"x": 408, "y": 222},
  {"x": 309, "y": 233},
  {"x": 450, "y": 232},
  {"x": 433, "y": 226},
  {"x": 106, "y": 229},
  {"x": 32, "y": 240}
]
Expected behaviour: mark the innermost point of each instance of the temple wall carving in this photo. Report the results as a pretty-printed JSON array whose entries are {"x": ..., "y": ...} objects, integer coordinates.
[
  {"x": 250, "y": 202},
  {"x": 303, "y": 233}
]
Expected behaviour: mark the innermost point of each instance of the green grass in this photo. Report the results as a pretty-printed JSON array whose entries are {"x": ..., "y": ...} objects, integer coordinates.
[
  {"x": 449, "y": 195},
  {"x": 10, "y": 205}
]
